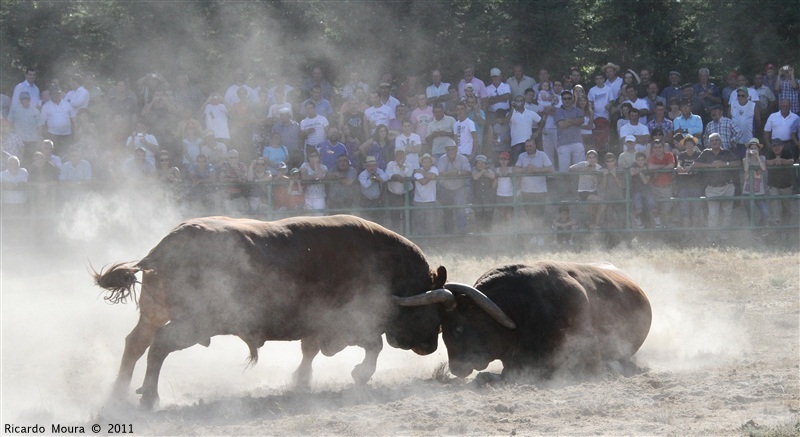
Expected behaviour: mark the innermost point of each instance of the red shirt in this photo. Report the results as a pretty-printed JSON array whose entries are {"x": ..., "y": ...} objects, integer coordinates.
[{"x": 662, "y": 179}]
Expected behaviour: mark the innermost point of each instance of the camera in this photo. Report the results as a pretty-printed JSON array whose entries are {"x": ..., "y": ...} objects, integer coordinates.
[{"x": 785, "y": 68}]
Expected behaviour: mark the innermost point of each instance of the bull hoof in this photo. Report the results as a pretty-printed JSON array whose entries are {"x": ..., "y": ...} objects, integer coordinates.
[
  {"x": 362, "y": 374},
  {"x": 486, "y": 378},
  {"x": 149, "y": 401}
]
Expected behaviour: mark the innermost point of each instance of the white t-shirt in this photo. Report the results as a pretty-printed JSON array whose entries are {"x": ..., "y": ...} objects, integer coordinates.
[
  {"x": 522, "y": 125},
  {"x": 499, "y": 90},
  {"x": 599, "y": 97},
  {"x": 743, "y": 117},
  {"x": 638, "y": 129},
  {"x": 318, "y": 123},
  {"x": 640, "y": 104},
  {"x": 427, "y": 192},
  {"x": 420, "y": 118},
  {"x": 380, "y": 115},
  {"x": 463, "y": 133},
  {"x": 780, "y": 126},
  {"x": 752, "y": 96},
  {"x": 505, "y": 185},
  {"x": 217, "y": 120},
  {"x": 57, "y": 117},
  {"x": 404, "y": 142},
  {"x": 533, "y": 184}
]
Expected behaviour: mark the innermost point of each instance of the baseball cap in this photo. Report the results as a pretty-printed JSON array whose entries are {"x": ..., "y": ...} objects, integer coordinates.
[
  {"x": 630, "y": 138},
  {"x": 494, "y": 72}
]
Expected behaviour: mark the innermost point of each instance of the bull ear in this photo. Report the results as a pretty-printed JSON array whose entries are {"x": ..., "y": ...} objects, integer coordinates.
[
  {"x": 482, "y": 301},
  {"x": 440, "y": 296},
  {"x": 439, "y": 278}
]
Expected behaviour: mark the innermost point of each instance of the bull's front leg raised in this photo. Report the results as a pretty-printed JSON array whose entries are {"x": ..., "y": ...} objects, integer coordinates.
[{"x": 364, "y": 371}]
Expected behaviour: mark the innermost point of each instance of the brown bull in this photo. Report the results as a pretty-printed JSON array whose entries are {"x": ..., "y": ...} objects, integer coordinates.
[
  {"x": 328, "y": 281},
  {"x": 552, "y": 317}
]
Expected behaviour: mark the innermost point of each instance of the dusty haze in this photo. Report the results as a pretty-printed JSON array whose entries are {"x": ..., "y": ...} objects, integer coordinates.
[{"x": 61, "y": 347}]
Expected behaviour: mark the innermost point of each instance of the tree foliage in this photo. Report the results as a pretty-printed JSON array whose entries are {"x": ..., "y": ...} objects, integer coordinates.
[{"x": 206, "y": 39}]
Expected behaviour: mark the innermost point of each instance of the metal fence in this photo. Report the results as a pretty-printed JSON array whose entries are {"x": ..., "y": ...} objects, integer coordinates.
[{"x": 47, "y": 203}]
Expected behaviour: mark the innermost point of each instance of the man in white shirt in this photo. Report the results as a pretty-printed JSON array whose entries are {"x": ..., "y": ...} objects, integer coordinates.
[
  {"x": 29, "y": 85},
  {"x": 378, "y": 113},
  {"x": 465, "y": 133},
  {"x": 640, "y": 104},
  {"x": 533, "y": 164},
  {"x": 231, "y": 96},
  {"x": 57, "y": 116},
  {"x": 498, "y": 94},
  {"x": 519, "y": 82},
  {"x": 783, "y": 125},
  {"x": 312, "y": 128},
  {"x": 638, "y": 130},
  {"x": 612, "y": 80},
  {"x": 78, "y": 96},
  {"x": 437, "y": 92},
  {"x": 410, "y": 142},
  {"x": 521, "y": 123}
]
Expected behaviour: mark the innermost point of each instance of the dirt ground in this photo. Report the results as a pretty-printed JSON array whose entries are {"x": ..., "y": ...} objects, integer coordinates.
[{"x": 722, "y": 358}]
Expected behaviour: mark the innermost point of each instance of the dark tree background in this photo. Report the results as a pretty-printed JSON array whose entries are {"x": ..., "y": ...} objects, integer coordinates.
[{"x": 207, "y": 39}]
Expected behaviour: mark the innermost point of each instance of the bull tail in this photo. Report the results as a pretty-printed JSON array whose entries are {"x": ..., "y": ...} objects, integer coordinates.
[
  {"x": 252, "y": 360},
  {"x": 120, "y": 281}
]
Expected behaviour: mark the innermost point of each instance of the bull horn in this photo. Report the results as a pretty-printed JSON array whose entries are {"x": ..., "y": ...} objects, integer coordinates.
[
  {"x": 441, "y": 295},
  {"x": 483, "y": 302}
]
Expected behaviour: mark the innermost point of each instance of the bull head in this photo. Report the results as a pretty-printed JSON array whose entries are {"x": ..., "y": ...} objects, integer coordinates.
[{"x": 447, "y": 299}]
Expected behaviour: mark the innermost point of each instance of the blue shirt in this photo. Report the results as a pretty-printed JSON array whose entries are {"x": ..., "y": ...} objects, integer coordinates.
[
  {"x": 692, "y": 125},
  {"x": 329, "y": 152}
]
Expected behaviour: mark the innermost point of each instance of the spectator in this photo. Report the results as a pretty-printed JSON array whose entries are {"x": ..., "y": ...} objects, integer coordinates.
[
  {"x": 313, "y": 128},
  {"x": 690, "y": 186},
  {"x": 477, "y": 84},
  {"x": 411, "y": 143},
  {"x": 588, "y": 122},
  {"x": 705, "y": 90},
  {"x": 641, "y": 192},
  {"x": 661, "y": 164},
  {"x": 784, "y": 125},
  {"x": 779, "y": 161},
  {"x": 187, "y": 97},
  {"x": 318, "y": 78},
  {"x": 57, "y": 116},
  {"x": 673, "y": 90},
  {"x": 232, "y": 95},
  {"x": 425, "y": 220},
  {"x": 728, "y": 131},
  {"x": 533, "y": 165},
  {"x": 421, "y": 117},
  {"x": 438, "y": 91},
  {"x": 786, "y": 88},
  {"x": 601, "y": 97},
  {"x": 718, "y": 184},
  {"x": 232, "y": 176},
  {"x": 378, "y": 114},
  {"x": 755, "y": 168},
  {"x": 371, "y": 181},
  {"x": 142, "y": 138},
  {"x": 215, "y": 151},
  {"x": 498, "y": 93},
  {"x": 138, "y": 169},
  {"x": 353, "y": 117},
  {"x": 397, "y": 172},
  {"x": 652, "y": 98},
  {"x": 385, "y": 97},
  {"x": 637, "y": 103},
  {"x": 28, "y": 85},
  {"x": 627, "y": 158},
  {"x": 242, "y": 117},
  {"x": 13, "y": 187},
  {"x": 744, "y": 114},
  {"x": 75, "y": 169},
  {"x": 465, "y": 133},
  {"x": 202, "y": 177},
  {"x": 330, "y": 149},
  {"x": 504, "y": 185},
  {"x": 341, "y": 192},
  {"x": 519, "y": 82},
  {"x": 78, "y": 96},
  {"x": 589, "y": 171},
  {"x": 688, "y": 122},
  {"x": 483, "y": 186},
  {"x": 280, "y": 104},
  {"x": 289, "y": 130},
  {"x": 166, "y": 173},
  {"x": 522, "y": 127},
  {"x": 478, "y": 117},
  {"x": 612, "y": 80},
  {"x": 378, "y": 147},
  {"x": 752, "y": 94},
  {"x": 47, "y": 149},
  {"x": 274, "y": 154},
  {"x": 564, "y": 225},
  {"x": 258, "y": 175},
  {"x": 501, "y": 133},
  {"x": 453, "y": 167},
  {"x": 42, "y": 180},
  {"x": 26, "y": 120},
  {"x": 353, "y": 83},
  {"x": 321, "y": 105},
  {"x": 767, "y": 103},
  {"x": 191, "y": 142},
  {"x": 569, "y": 120},
  {"x": 216, "y": 115},
  {"x": 611, "y": 187},
  {"x": 660, "y": 121},
  {"x": 312, "y": 173}
]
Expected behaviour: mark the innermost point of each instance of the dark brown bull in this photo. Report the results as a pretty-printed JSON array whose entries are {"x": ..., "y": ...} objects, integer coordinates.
[
  {"x": 554, "y": 316},
  {"x": 327, "y": 281}
]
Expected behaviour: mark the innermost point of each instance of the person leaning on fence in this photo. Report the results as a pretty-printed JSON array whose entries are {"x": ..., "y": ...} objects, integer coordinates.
[
  {"x": 755, "y": 172},
  {"x": 342, "y": 191},
  {"x": 426, "y": 219},
  {"x": 690, "y": 186},
  {"x": 661, "y": 164},
  {"x": 612, "y": 188},
  {"x": 483, "y": 187},
  {"x": 719, "y": 183},
  {"x": 779, "y": 162},
  {"x": 533, "y": 165},
  {"x": 641, "y": 192},
  {"x": 587, "y": 186},
  {"x": 372, "y": 180},
  {"x": 454, "y": 190},
  {"x": 397, "y": 187}
]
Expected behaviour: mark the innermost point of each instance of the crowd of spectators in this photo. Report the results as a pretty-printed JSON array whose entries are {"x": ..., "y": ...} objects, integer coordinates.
[{"x": 451, "y": 149}]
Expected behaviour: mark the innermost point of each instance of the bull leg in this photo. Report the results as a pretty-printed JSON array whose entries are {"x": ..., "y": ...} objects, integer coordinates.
[
  {"x": 152, "y": 316},
  {"x": 363, "y": 372},
  {"x": 302, "y": 376},
  {"x": 169, "y": 338}
]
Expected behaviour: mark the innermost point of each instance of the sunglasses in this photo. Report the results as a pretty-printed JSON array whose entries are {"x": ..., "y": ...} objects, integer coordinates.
[{"x": 742, "y": 95}]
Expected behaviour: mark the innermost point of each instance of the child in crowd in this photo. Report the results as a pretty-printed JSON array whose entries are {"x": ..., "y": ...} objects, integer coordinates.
[
  {"x": 755, "y": 167},
  {"x": 641, "y": 193},
  {"x": 504, "y": 189},
  {"x": 501, "y": 131},
  {"x": 564, "y": 224}
]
